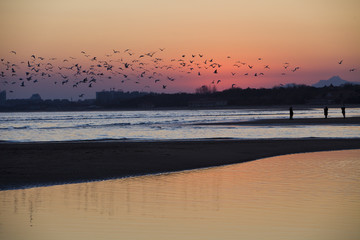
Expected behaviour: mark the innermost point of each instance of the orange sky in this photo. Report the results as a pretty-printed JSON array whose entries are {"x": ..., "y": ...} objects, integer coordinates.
[{"x": 313, "y": 35}]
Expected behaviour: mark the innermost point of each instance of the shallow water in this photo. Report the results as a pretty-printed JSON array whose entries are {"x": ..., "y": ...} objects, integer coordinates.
[
  {"x": 300, "y": 196},
  {"x": 165, "y": 125}
]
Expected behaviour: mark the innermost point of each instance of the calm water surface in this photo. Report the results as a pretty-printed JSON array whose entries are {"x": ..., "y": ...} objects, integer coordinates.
[{"x": 301, "y": 196}]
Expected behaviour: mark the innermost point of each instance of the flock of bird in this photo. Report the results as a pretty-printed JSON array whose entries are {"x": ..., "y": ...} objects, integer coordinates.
[{"x": 149, "y": 70}]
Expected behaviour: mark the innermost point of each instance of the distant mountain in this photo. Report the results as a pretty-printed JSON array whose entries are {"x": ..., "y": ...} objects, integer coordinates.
[{"x": 335, "y": 81}]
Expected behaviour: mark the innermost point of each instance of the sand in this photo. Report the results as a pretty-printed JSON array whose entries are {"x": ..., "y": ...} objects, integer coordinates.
[
  {"x": 295, "y": 121},
  {"x": 36, "y": 164}
]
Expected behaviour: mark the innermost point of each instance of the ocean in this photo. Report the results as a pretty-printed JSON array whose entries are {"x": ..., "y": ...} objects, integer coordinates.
[{"x": 166, "y": 125}]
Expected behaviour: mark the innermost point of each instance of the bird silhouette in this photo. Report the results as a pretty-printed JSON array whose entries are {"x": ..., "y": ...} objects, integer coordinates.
[{"x": 340, "y": 61}]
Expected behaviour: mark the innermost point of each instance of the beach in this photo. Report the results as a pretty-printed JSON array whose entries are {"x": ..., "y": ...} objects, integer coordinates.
[
  {"x": 295, "y": 121},
  {"x": 25, "y": 165}
]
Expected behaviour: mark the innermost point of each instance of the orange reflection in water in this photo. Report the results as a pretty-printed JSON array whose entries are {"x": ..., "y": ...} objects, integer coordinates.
[{"x": 300, "y": 196}]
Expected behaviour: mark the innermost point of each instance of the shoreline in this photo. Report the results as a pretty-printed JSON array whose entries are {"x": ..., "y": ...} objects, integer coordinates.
[
  {"x": 294, "y": 121},
  {"x": 34, "y": 164}
]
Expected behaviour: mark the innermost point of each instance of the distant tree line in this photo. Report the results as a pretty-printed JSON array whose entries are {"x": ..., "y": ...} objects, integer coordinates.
[
  {"x": 297, "y": 94},
  {"x": 206, "y": 96}
]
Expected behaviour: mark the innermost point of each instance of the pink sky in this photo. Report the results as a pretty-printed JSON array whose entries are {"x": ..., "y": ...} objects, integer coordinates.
[{"x": 314, "y": 35}]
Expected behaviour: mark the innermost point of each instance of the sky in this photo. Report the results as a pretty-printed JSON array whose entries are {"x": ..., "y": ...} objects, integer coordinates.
[{"x": 282, "y": 41}]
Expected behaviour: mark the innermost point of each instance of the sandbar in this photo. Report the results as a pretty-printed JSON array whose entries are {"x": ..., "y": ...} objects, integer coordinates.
[{"x": 24, "y": 165}]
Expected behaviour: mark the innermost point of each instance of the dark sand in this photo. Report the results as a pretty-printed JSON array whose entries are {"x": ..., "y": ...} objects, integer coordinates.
[
  {"x": 29, "y": 164},
  {"x": 295, "y": 121}
]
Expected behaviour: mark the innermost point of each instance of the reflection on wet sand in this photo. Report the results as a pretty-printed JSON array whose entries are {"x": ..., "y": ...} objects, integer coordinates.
[{"x": 300, "y": 196}]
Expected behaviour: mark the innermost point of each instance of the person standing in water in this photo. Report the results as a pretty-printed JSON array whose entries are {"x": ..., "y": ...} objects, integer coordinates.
[
  {"x": 291, "y": 113},
  {"x": 343, "y": 111},
  {"x": 326, "y": 111}
]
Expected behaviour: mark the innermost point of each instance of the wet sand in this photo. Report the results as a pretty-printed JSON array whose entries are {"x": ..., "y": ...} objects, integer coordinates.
[
  {"x": 33, "y": 164},
  {"x": 295, "y": 121}
]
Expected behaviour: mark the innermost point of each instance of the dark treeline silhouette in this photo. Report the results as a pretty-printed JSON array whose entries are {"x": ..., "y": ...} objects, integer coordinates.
[
  {"x": 296, "y": 95},
  {"x": 205, "y": 97}
]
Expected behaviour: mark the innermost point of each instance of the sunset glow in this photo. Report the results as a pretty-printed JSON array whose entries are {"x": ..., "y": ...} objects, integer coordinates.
[{"x": 311, "y": 35}]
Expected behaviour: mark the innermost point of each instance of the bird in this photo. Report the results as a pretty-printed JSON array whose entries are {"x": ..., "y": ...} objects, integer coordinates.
[
  {"x": 81, "y": 95},
  {"x": 218, "y": 81},
  {"x": 164, "y": 86},
  {"x": 295, "y": 69},
  {"x": 340, "y": 61},
  {"x": 215, "y": 71},
  {"x": 250, "y": 66},
  {"x": 115, "y": 51},
  {"x": 352, "y": 69},
  {"x": 233, "y": 85},
  {"x": 13, "y": 52},
  {"x": 162, "y": 49}
]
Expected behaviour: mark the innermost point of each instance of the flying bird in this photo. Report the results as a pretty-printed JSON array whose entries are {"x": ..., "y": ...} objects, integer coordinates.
[{"x": 340, "y": 61}]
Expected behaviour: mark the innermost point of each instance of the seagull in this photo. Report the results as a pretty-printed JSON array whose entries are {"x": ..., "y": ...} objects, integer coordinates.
[
  {"x": 162, "y": 49},
  {"x": 340, "y": 61},
  {"x": 218, "y": 81},
  {"x": 295, "y": 69},
  {"x": 164, "y": 86},
  {"x": 250, "y": 66},
  {"x": 13, "y": 52},
  {"x": 352, "y": 70}
]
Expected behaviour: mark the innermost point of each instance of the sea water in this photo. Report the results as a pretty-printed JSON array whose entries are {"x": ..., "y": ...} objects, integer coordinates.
[
  {"x": 165, "y": 125},
  {"x": 312, "y": 196}
]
